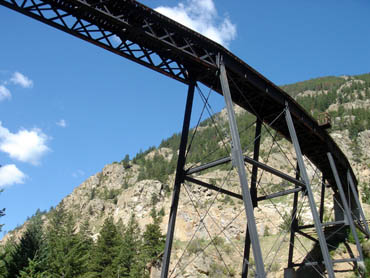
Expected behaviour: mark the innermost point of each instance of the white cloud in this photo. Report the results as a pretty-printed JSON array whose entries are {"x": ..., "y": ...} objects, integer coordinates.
[
  {"x": 4, "y": 93},
  {"x": 22, "y": 80},
  {"x": 25, "y": 145},
  {"x": 116, "y": 39},
  {"x": 10, "y": 174},
  {"x": 62, "y": 123},
  {"x": 78, "y": 173},
  {"x": 201, "y": 16}
]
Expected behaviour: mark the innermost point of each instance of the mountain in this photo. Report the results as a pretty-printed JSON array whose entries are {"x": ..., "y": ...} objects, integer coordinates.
[{"x": 138, "y": 187}]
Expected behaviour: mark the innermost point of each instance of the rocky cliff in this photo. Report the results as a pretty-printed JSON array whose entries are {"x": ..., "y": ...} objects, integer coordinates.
[{"x": 126, "y": 188}]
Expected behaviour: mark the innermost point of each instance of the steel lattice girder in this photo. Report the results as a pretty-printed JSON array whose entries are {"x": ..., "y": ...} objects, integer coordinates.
[{"x": 144, "y": 36}]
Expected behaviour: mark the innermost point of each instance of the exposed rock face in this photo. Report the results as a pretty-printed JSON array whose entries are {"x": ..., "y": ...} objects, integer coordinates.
[
  {"x": 164, "y": 152},
  {"x": 117, "y": 191},
  {"x": 364, "y": 143},
  {"x": 353, "y": 105}
]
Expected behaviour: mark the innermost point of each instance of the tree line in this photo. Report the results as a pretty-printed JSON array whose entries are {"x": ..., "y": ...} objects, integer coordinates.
[
  {"x": 52, "y": 247},
  {"x": 205, "y": 144}
]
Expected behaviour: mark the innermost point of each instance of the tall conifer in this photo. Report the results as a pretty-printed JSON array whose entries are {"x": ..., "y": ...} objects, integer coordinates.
[
  {"x": 128, "y": 251},
  {"x": 106, "y": 251}
]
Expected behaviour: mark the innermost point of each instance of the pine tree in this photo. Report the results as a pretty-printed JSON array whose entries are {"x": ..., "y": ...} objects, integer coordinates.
[
  {"x": 106, "y": 251},
  {"x": 153, "y": 240},
  {"x": 126, "y": 161},
  {"x": 67, "y": 253},
  {"x": 86, "y": 244},
  {"x": 6, "y": 258},
  {"x": 151, "y": 248},
  {"x": 139, "y": 269},
  {"x": 129, "y": 248},
  {"x": 29, "y": 245},
  {"x": 34, "y": 270},
  {"x": 2, "y": 211}
]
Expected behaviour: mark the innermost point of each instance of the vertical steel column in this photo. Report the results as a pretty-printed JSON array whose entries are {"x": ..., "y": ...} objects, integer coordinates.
[
  {"x": 322, "y": 200},
  {"x": 294, "y": 223},
  {"x": 256, "y": 153},
  {"x": 238, "y": 161},
  {"x": 318, "y": 226},
  {"x": 338, "y": 211},
  {"x": 345, "y": 205},
  {"x": 359, "y": 207},
  {"x": 179, "y": 179},
  {"x": 247, "y": 250}
]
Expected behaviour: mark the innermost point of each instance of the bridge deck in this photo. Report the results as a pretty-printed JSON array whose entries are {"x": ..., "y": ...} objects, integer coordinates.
[{"x": 166, "y": 46}]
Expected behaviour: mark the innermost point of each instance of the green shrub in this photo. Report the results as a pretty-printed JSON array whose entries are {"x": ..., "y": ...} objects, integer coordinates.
[
  {"x": 275, "y": 267},
  {"x": 196, "y": 246},
  {"x": 366, "y": 193},
  {"x": 287, "y": 222},
  {"x": 218, "y": 241},
  {"x": 367, "y": 266},
  {"x": 366, "y": 248},
  {"x": 154, "y": 199},
  {"x": 219, "y": 270},
  {"x": 351, "y": 238},
  {"x": 266, "y": 231}
]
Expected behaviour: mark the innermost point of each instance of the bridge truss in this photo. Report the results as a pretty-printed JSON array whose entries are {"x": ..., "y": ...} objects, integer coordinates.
[{"x": 136, "y": 32}]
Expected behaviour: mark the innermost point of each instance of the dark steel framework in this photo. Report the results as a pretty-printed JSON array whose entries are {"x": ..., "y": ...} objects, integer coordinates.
[{"x": 136, "y": 32}]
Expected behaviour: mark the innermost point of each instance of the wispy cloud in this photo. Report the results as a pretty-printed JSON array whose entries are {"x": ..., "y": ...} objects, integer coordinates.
[
  {"x": 22, "y": 80},
  {"x": 25, "y": 145},
  {"x": 116, "y": 39},
  {"x": 78, "y": 173},
  {"x": 61, "y": 123},
  {"x": 10, "y": 174},
  {"x": 4, "y": 93},
  {"x": 202, "y": 16}
]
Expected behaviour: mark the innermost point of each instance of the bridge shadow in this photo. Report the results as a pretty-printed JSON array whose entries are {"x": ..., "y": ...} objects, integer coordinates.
[{"x": 318, "y": 270}]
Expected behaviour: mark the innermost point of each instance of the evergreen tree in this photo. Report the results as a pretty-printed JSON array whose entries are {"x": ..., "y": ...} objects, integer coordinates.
[
  {"x": 29, "y": 245},
  {"x": 129, "y": 248},
  {"x": 106, "y": 251},
  {"x": 150, "y": 249},
  {"x": 34, "y": 270},
  {"x": 85, "y": 236},
  {"x": 86, "y": 244},
  {"x": 6, "y": 258},
  {"x": 126, "y": 161},
  {"x": 67, "y": 254},
  {"x": 139, "y": 269},
  {"x": 2, "y": 212},
  {"x": 153, "y": 240}
]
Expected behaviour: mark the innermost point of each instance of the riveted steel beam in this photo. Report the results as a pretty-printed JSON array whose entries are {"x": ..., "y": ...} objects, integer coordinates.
[
  {"x": 238, "y": 161},
  {"x": 179, "y": 179},
  {"x": 311, "y": 199}
]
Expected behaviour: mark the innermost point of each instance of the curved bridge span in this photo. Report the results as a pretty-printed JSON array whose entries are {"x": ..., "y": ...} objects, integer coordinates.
[
  {"x": 157, "y": 42},
  {"x": 136, "y": 32}
]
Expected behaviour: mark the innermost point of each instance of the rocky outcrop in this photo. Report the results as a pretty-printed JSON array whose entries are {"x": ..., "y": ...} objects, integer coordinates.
[{"x": 116, "y": 191}]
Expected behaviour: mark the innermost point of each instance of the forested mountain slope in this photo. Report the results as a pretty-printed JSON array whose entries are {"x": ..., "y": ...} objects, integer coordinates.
[{"x": 112, "y": 225}]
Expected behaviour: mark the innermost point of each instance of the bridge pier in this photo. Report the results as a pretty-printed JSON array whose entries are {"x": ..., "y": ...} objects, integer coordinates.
[
  {"x": 293, "y": 227},
  {"x": 303, "y": 173},
  {"x": 238, "y": 162},
  {"x": 359, "y": 211},
  {"x": 345, "y": 208},
  {"x": 253, "y": 190},
  {"x": 179, "y": 179}
]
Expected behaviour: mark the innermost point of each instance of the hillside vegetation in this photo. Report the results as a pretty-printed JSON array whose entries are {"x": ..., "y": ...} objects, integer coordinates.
[{"x": 113, "y": 224}]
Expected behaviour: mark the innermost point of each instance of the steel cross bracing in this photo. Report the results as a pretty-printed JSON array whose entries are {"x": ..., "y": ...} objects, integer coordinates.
[
  {"x": 136, "y": 32},
  {"x": 144, "y": 36}
]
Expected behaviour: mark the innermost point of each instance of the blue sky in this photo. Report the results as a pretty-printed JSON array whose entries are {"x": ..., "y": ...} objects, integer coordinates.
[{"x": 67, "y": 107}]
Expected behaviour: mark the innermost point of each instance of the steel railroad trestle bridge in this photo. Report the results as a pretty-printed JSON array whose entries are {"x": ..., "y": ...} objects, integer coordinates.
[{"x": 153, "y": 40}]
